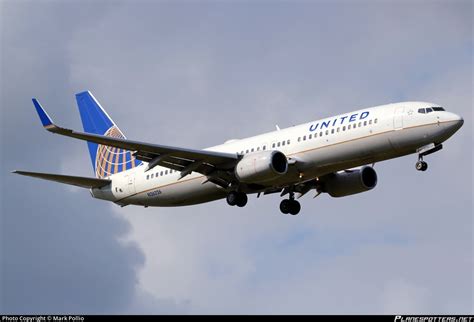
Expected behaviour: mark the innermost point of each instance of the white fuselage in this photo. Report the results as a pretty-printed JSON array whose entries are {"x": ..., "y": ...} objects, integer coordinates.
[{"x": 318, "y": 148}]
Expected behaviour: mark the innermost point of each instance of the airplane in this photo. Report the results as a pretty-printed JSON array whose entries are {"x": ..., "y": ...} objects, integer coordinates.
[{"x": 334, "y": 155}]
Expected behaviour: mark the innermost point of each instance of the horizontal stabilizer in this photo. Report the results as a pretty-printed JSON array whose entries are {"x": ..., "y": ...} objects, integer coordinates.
[{"x": 82, "y": 182}]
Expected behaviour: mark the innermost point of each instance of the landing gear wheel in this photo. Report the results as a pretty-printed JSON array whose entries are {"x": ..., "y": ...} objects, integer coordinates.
[
  {"x": 290, "y": 206},
  {"x": 241, "y": 199},
  {"x": 285, "y": 206},
  {"x": 418, "y": 166},
  {"x": 232, "y": 198},
  {"x": 295, "y": 207},
  {"x": 235, "y": 198},
  {"x": 425, "y": 166},
  {"x": 421, "y": 166}
]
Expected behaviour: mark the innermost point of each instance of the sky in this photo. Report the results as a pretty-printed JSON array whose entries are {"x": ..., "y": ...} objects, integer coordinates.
[{"x": 195, "y": 74}]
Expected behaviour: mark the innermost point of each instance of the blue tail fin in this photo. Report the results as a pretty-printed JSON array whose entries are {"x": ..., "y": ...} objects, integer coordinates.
[{"x": 106, "y": 160}]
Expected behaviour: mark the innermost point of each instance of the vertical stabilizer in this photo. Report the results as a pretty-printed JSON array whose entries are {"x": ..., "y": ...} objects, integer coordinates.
[{"x": 106, "y": 160}]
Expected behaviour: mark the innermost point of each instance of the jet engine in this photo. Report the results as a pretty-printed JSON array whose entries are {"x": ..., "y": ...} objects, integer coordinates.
[
  {"x": 350, "y": 182},
  {"x": 260, "y": 167}
]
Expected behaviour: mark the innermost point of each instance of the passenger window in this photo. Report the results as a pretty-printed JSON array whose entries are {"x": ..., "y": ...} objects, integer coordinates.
[
  {"x": 349, "y": 127},
  {"x": 310, "y": 136},
  {"x": 321, "y": 133},
  {"x": 288, "y": 142},
  {"x": 344, "y": 128},
  {"x": 273, "y": 145},
  {"x": 370, "y": 122},
  {"x": 252, "y": 150},
  {"x": 283, "y": 143},
  {"x": 375, "y": 121},
  {"x": 151, "y": 176},
  {"x": 258, "y": 148},
  {"x": 166, "y": 172},
  {"x": 304, "y": 137},
  {"x": 337, "y": 130},
  {"x": 327, "y": 132},
  {"x": 332, "y": 131},
  {"x": 264, "y": 147},
  {"x": 278, "y": 144},
  {"x": 360, "y": 124},
  {"x": 161, "y": 173},
  {"x": 315, "y": 135},
  {"x": 246, "y": 151},
  {"x": 365, "y": 123},
  {"x": 148, "y": 177},
  {"x": 299, "y": 139},
  {"x": 241, "y": 152}
]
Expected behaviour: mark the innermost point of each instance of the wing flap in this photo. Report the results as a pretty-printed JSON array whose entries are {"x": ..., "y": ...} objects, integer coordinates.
[{"x": 83, "y": 182}]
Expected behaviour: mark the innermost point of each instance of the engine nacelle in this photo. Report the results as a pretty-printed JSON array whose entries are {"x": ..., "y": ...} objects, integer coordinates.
[
  {"x": 261, "y": 167},
  {"x": 348, "y": 183}
]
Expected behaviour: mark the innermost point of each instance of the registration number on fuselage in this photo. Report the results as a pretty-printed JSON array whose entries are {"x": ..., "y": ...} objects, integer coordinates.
[{"x": 153, "y": 193}]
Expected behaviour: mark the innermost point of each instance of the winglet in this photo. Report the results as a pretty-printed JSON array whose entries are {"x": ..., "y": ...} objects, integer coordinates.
[{"x": 44, "y": 117}]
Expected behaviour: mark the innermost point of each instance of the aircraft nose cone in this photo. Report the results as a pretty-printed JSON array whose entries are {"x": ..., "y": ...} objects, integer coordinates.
[
  {"x": 455, "y": 123},
  {"x": 458, "y": 121}
]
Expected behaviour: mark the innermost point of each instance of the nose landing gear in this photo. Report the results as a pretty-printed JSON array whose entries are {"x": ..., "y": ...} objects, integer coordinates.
[
  {"x": 423, "y": 151},
  {"x": 421, "y": 165}
]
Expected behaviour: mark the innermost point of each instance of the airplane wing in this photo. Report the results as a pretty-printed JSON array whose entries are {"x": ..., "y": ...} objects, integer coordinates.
[
  {"x": 82, "y": 182},
  {"x": 210, "y": 163}
]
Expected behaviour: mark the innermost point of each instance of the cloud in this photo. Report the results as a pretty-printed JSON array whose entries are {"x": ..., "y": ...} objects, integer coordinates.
[
  {"x": 60, "y": 258},
  {"x": 60, "y": 251},
  {"x": 399, "y": 295}
]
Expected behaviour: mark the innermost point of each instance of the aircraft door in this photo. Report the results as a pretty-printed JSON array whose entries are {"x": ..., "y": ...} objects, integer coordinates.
[
  {"x": 398, "y": 118},
  {"x": 130, "y": 182}
]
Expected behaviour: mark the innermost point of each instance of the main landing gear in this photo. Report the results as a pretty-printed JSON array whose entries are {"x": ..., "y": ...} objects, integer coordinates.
[
  {"x": 287, "y": 206},
  {"x": 235, "y": 198},
  {"x": 290, "y": 206}
]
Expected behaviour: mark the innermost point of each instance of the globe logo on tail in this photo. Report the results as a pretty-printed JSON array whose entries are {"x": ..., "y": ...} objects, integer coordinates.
[{"x": 111, "y": 160}]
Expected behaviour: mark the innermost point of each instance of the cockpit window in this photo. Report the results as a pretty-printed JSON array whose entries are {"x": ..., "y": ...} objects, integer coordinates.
[{"x": 430, "y": 109}]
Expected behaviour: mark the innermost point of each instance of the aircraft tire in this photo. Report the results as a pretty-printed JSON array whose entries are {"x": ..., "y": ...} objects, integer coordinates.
[
  {"x": 285, "y": 206},
  {"x": 232, "y": 198},
  {"x": 295, "y": 207},
  {"x": 241, "y": 199}
]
